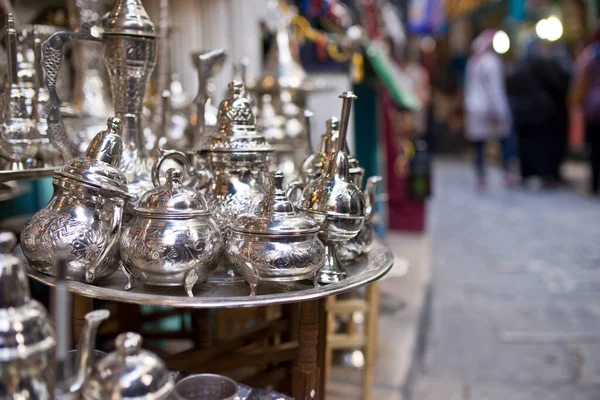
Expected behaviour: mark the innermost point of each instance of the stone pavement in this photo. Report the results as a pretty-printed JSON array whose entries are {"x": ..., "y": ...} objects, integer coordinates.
[{"x": 515, "y": 309}]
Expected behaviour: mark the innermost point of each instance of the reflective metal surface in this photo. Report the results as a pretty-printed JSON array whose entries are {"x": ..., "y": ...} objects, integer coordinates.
[
  {"x": 275, "y": 243},
  {"x": 206, "y": 387},
  {"x": 84, "y": 214},
  {"x": 27, "y": 336},
  {"x": 221, "y": 291},
  {"x": 335, "y": 202},
  {"x": 172, "y": 239},
  {"x": 20, "y": 138},
  {"x": 129, "y": 373}
]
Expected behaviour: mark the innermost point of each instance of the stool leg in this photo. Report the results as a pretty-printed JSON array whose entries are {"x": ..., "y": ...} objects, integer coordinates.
[
  {"x": 305, "y": 376},
  {"x": 81, "y": 306},
  {"x": 370, "y": 351}
]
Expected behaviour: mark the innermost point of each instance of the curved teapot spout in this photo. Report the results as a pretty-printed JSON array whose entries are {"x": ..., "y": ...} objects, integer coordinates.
[
  {"x": 85, "y": 349},
  {"x": 370, "y": 193}
]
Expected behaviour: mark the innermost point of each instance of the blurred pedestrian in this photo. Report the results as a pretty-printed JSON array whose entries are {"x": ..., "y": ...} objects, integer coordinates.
[
  {"x": 486, "y": 105},
  {"x": 538, "y": 87},
  {"x": 585, "y": 93}
]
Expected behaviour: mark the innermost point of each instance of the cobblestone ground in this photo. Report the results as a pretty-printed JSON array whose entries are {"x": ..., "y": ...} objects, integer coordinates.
[{"x": 515, "y": 312}]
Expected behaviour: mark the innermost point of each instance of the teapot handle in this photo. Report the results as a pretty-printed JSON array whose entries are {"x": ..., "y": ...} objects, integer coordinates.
[
  {"x": 294, "y": 186},
  {"x": 164, "y": 156},
  {"x": 113, "y": 239},
  {"x": 52, "y": 55}
]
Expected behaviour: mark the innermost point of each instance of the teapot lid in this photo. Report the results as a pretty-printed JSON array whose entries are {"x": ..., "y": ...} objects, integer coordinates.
[
  {"x": 129, "y": 372},
  {"x": 236, "y": 125},
  {"x": 129, "y": 17},
  {"x": 275, "y": 214},
  {"x": 100, "y": 166},
  {"x": 172, "y": 200},
  {"x": 26, "y": 329}
]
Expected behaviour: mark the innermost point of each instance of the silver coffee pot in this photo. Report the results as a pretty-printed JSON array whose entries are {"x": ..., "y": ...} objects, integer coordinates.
[
  {"x": 129, "y": 56},
  {"x": 275, "y": 243},
  {"x": 27, "y": 337},
  {"x": 237, "y": 156},
  {"x": 20, "y": 138},
  {"x": 84, "y": 214},
  {"x": 129, "y": 373},
  {"x": 335, "y": 202}
]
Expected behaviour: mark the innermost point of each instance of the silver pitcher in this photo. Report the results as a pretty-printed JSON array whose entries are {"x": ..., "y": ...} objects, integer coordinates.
[
  {"x": 335, "y": 202},
  {"x": 129, "y": 373},
  {"x": 129, "y": 56},
  {"x": 84, "y": 214},
  {"x": 237, "y": 156},
  {"x": 20, "y": 138},
  {"x": 27, "y": 337},
  {"x": 172, "y": 239},
  {"x": 275, "y": 243}
]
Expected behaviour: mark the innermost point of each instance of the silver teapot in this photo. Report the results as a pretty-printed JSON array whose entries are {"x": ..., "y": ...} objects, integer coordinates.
[
  {"x": 84, "y": 214},
  {"x": 237, "y": 157},
  {"x": 20, "y": 138},
  {"x": 129, "y": 373},
  {"x": 27, "y": 337},
  {"x": 275, "y": 243},
  {"x": 172, "y": 239},
  {"x": 335, "y": 202}
]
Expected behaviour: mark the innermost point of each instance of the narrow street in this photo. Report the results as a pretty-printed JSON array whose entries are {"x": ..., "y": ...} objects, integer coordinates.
[{"x": 515, "y": 309}]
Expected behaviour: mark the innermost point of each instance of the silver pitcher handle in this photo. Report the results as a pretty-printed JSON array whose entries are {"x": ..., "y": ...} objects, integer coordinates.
[
  {"x": 113, "y": 239},
  {"x": 176, "y": 155},
  {"x": 52, "y": 54},
  {"x": 294, "y": 186}
]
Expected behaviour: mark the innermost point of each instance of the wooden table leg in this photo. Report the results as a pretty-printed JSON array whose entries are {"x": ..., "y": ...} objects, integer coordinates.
[
  {"x": 305, "y": 377},
  {"x": 81, "y": 306},
  {"x": 202, "y": 327},
  {"x": 322, "y": 347}
]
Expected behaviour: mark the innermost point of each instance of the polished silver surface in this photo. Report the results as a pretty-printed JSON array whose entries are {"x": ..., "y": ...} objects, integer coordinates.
[
  {"x": 20, "y": 138},
  {"x": 206, "y": 387},
  {"x": 237, "y": 157},
  {"x": 275, "y": 243},
  {"x": 314, "y": 165},
  {"x": 222, "y": 291},
  {"x": 84, "y": 214},
  {"x": 26, "y": 174},
  {"x": 27, "y": 336},
  {"x": 335, "y": 202},
  {"x": 172, "y": 239},
  {"x": 129, "y": 18},
  {"x": 129, "y": 373}
]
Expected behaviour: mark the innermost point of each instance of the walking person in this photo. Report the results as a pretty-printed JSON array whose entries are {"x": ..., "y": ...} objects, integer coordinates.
[
  {"x": 486, "y": 106},
  {"x": 585, "y": 93}
]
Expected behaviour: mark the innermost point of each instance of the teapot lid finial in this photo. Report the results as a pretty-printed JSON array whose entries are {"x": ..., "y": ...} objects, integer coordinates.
[
  {"x": 173, "y": 176},
  {"x": 8, "y": 242},
  {"x": 128, "y": 343}
]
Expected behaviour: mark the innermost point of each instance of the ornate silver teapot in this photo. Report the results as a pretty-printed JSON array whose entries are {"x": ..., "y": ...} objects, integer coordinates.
[
  {"x": 84, "y": 214},
  {"x": 172, "y": 239},
  {"x": 275, "y": 243},
  {"x": 19, "y": 136},
  {"x": 27, "y": 337},
  {"x": 129, "y": 373},
  {"x": 237, "y": 156},
  {"x": 335, "y": 202}
]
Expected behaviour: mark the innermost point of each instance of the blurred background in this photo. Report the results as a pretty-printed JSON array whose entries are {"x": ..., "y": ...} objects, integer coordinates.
[{"x": 483, "y": 118}]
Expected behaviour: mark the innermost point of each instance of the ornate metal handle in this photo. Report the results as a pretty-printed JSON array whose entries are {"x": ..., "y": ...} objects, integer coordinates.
[
  {"x": 293, "y": 187},
  {"x": 113, "y": 239},
  {"x": 176, "y": 155},
  {"x": 52, "y": 54}
]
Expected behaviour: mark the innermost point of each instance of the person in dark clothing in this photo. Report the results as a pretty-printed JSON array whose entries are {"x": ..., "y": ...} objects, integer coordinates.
[
  {"x": 537, "y": 88},
  {"x": 586, "y": 94}
]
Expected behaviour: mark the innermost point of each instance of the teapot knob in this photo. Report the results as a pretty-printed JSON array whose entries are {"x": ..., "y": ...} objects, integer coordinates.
[
  {"x": 114, "y": 125},
  {"x": 8, "y": 241},
  {"x": 236, "y": 88},
  {"x": 128, "y": 343},
  {"x": 278, "y": 178},
  {"x": 173, "y": 176}
]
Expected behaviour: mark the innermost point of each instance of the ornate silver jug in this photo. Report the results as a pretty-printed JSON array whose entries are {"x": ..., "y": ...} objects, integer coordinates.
[
  {"x": 275, "y": 243},
  {"x": 19, "y": 136},
  {"x": 84, "y": 214},
  {"x": 172, "y": 239},
  {"x": 335, "y": 202},
  {"x": 27, "y": 337},
  {"x": 129, "y": 56},
  {"x": 237, "y": 156}
]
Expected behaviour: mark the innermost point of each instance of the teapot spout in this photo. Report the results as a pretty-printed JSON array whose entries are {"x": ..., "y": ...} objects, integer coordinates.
[
  {"x": 370, "y": 193},
  {"x": 85, "y": 349}
]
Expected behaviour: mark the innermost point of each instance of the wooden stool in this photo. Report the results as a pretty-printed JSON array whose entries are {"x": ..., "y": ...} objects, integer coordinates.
[{"x": 350, "y": 339}]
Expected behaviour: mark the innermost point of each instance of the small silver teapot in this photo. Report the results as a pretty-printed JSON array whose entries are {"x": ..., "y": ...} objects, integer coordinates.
[
  {"x": 275, "y": 243},
  {"x": 84, "y": 214},
  {"x": 27, "y": 337},
  {"x": 172, "y": 239},
  {"x": 129, "y": 373}
]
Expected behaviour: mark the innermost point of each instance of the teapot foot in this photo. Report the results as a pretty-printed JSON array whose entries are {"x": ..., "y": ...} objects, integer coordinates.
[
  {"x": 191, "y": 278},
  {"x": 128, "y": 275}
]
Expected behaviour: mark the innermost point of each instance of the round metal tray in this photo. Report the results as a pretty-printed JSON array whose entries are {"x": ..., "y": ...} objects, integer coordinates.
[
  {"x": 222, "y": 291},
  {"x": 32, "y": 173}
]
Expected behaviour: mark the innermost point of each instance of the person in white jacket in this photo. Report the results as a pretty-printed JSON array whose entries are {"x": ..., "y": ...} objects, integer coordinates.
[{"x": 486, "y": 105}]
